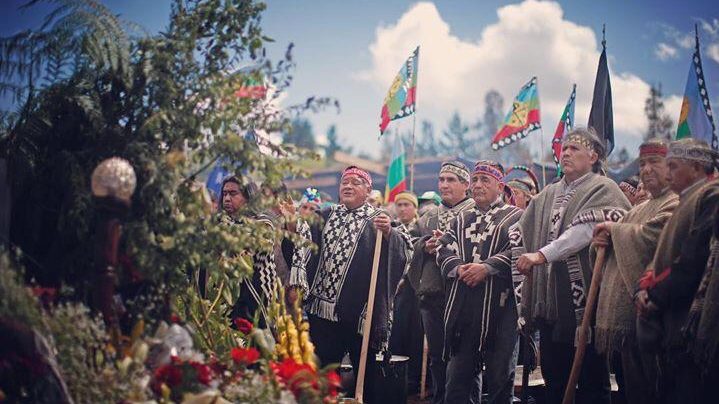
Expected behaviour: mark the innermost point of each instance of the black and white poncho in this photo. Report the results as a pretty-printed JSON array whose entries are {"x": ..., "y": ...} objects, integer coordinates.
[
  {"x": 336, "y": 278},
  {"x": 476, "y": 236}
]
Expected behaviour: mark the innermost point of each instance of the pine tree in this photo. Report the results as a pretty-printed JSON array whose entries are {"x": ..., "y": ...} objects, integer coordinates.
[
  {"x": 457, "y": 137},
  {"x": 660, "y": 124},
  {"x": 300, "y": 134},
  {"x": 427, "y": 144}
]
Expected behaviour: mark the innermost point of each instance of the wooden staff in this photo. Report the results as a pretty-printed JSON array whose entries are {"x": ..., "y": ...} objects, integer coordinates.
[
  {"x": 527, "y": 288},
  {"x": 423, "y": 378},
  {"x": 368, "y": 320},
  {"x": 584, "y": 329}
]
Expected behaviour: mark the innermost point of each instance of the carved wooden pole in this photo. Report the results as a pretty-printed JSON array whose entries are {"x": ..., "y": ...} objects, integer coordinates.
[{"x": 113, "y": 183}]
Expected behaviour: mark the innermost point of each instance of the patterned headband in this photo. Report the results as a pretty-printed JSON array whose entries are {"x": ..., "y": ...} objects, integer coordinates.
[
  {"x": 581, "y": 140},
  {"x": 455, "y": 169},
  {"x": 488, "y": 168},
  {"x": 519, "y": 185},
  {"x": 359, "y": 173},
  {"x": 691, "y": 152},
  {"x": 653, "y": 149}
]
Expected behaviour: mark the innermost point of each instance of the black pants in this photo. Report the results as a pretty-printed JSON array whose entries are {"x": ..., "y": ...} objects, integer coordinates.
[
  {"x": 407, "y": 335},
  {"x": 432, "y": 310},
  {"x": 334, "y": 339},
  {"x": 683, "y": 381},
  {"x": 640, "y": 372},
  {"x": 556, "y": 362}
]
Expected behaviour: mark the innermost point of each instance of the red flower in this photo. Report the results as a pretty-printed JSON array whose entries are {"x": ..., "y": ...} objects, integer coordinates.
[
  {"x": 334, "y": 382},
  {"x": 243, "y": 325},
  {"x": 174, "y": 318},
  {"x": 169, "y": 374},
  {"x": 204, "y": 374},
  {"x": 295, "y": 375},
  {"x": 245, "y": 356}
]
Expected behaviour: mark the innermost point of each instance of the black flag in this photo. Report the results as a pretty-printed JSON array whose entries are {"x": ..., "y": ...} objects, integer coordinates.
[{"x": 601, "y": 116}]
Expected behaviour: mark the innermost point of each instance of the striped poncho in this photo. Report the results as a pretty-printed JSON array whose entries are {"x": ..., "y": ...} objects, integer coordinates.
[{"x": 477, "y": 236}]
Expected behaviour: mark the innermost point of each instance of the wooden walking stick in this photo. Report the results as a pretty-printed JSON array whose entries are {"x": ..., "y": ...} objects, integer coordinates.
[
  {"x": 423, "y": 377},
  {"x": 368, "y": 320},
  {"x": 527, "y": 288},
  {"x": 584, "y": 328}
]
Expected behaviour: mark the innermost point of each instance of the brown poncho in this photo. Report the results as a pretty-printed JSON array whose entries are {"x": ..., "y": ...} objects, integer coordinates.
[{"x": 634, "y": 240}]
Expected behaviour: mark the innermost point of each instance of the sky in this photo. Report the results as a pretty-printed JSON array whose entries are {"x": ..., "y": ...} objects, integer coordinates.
[{"x": 351, "y": 50}]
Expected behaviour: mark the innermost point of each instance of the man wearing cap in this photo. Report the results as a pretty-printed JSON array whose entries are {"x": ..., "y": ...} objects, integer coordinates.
[
  {"x": 428, "y": 201},
  {"x": 556, "y": 231},
  {"x": 406, "y": 205},
  {"x": 424, "y": 274},
  {"x": 630, "y": 244},
  {"x": 407, "y": 335},
  {"x": 668, "y": 288},
  {"x": 481, "y": 317},
  {"x": 336, "y": 278}
]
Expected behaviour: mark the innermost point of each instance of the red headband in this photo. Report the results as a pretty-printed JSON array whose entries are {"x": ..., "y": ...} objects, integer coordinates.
[
  {"x": 653, "y": 149},
  {"x": 359, "y": 173},
  {"x": 488, "y": 170}
]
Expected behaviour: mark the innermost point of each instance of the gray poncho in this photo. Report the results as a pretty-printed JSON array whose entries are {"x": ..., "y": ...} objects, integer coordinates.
[{"x": 558, "y": 288}]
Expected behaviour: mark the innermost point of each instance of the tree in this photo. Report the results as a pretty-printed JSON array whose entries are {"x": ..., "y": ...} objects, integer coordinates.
[
  {"x": 660, "y": 124},
  {"x": 493, "y": 112},
  {"x": 457, "y": 137},
  {"x": 167, "y": 104},
  {"x": 333, "y": 144},
  {"x": 300, "y": 134},
  {"x": 427, "y": 144}
]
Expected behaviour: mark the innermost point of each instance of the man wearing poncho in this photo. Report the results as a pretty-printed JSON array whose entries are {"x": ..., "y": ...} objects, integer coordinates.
[
  {"x": 424, "y": 274},
  {"x": 669, "y": 294},
  {"x": 336, "y": 278},
  {"x": 480, "y": 316},
  {"x": 630, "y": 244},
  {"x": 556, "y": 231},
  {"x": 257, "y": 292}
]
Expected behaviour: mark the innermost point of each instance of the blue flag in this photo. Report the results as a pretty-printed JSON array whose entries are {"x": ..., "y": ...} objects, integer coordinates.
[{"x": 696, "y": 119}]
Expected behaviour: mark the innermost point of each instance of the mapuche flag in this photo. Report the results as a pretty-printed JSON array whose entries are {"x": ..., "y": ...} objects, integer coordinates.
[
  {"x": 396, "y": 175},
  {"x": 522, "y": 118},
  {"x": 696, "y": 117},
  {"x": 402, "y": 94},
  {"x": 601, "y": 117},
  {"x": 252, "y": 85},
  {"x": 566, "y": 123}
]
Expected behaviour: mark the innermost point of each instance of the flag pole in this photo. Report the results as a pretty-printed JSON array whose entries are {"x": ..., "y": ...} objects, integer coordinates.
[
  {"x": 541, "y": 159},
  {"x": 411, "y": 162},
  {"x": 414, "y": 126}
]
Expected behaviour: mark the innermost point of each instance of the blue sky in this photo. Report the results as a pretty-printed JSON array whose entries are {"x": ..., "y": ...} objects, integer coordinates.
[{"x": 352, "y": 49}]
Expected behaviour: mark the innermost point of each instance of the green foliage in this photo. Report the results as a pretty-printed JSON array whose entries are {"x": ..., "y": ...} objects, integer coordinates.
[
  {"x": 166, "y": 103},
  {"x": 300, "y": 134},
  {"x": 76, "y": 338}
]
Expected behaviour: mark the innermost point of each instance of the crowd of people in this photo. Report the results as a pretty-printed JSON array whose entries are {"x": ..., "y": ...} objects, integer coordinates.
[{"x": 466, "y": 267}]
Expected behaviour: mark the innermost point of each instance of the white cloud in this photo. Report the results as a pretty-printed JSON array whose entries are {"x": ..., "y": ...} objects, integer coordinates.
[
  {"x": 528, "y": 39},
  {"x": 664, "y": 51},
  {"x": 713, "y": 52}
]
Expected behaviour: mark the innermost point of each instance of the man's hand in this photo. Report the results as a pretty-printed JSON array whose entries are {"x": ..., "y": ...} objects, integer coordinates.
[
  {"x": 383, "y": 223},
  {"x": 644, "y": 306},
  {"x": 430, "y": 247},
  {"x": 602, "y": 234},
  {"x": 472, "y": 274},
  {"x": 527, "y": 261}
]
